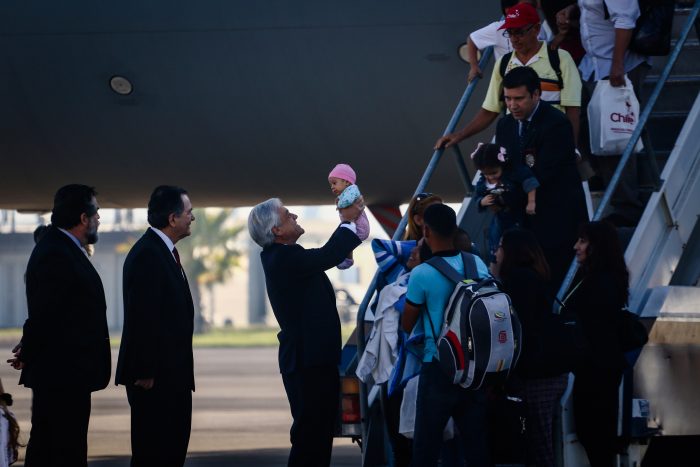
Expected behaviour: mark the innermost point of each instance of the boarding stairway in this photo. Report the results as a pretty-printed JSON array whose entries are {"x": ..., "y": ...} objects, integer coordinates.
[{"x": 659, "y": 401}]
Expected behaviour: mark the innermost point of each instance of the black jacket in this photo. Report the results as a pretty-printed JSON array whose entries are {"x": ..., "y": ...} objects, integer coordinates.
[
  {"x": 303, "y": 300},
  {"x": 531, "y": 298},
  {"x": 598, "y": 304},
  {"x": 66, "y": 341},
  {"x": 560, "y": 202},
  {"x": 158, "y": 318}
]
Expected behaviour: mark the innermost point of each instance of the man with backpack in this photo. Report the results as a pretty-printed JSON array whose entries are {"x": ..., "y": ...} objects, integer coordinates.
[
  {"x": 557, "y": 70},
  {"x": 438, "y": 397}
]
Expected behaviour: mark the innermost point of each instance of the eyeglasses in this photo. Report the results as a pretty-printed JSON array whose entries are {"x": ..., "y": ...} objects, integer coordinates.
[
  {"x": 517, "y": 32},
  {"x": 418, "y": 198}
]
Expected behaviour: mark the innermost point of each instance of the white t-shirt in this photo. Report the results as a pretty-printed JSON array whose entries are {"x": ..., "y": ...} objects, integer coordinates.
[{"x": 490, "y": 35}]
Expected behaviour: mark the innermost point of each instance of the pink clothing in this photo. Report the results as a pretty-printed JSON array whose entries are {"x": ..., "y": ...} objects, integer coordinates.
[{"x": 362, "y": 224}]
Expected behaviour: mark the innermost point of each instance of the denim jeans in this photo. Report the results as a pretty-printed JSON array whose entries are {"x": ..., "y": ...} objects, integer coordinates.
[{"x": 438, "y": 400}]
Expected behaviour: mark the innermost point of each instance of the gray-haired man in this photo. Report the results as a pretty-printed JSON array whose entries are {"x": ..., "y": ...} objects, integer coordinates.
[{"x": 303, "y": 301}]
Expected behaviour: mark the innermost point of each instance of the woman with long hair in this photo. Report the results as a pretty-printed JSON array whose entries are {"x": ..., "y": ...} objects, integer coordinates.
[
  {"x": 597, "y": 296},
  {"x": 416, "y": 208},
  {"x": 524, "y": 272}
]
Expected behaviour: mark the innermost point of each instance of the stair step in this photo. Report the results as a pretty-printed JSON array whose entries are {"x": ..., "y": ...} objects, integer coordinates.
[
  {"x": 674, "y": 79},
  {"x": 691, "y": 42},
  {"x": 668, "y": 114},
  {"x": 664, "y": 132},
  {"x": 677, "y": 95}
]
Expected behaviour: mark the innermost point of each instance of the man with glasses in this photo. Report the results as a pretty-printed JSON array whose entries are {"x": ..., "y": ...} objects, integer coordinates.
[
  {"x": 303, "y": 301},
  {"x": 522, "y": 27}
]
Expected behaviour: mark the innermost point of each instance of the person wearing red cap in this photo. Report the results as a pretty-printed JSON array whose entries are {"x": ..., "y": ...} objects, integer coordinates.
[
  {"x": 522, "y": 26},
  {"x": 342, "y": 180}
]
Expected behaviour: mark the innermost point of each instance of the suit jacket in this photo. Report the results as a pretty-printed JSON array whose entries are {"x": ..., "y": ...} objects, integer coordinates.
[
  {"x": 560, "y": 202},
  {"x": 303, "y": 300},
  {"x": 158, "y": 318},
  {"x": 66, "y": 341}
]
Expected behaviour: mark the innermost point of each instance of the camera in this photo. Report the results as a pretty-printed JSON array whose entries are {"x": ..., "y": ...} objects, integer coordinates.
[{"x": 496, "y": 191}]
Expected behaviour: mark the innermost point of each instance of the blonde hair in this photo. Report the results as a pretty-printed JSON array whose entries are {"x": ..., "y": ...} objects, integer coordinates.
[{"x": 417, "y": 207}]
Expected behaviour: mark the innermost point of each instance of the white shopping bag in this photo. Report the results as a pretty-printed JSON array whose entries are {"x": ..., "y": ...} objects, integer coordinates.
[{"x": 613, "y": 114}]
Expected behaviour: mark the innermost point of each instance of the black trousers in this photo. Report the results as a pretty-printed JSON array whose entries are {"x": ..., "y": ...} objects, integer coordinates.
[
  {"x": 60, "y": 421},
  {"x": 313, "y": 398},
  {"x": 595, "y": 413},
  {"x": 161, "y": 419}
]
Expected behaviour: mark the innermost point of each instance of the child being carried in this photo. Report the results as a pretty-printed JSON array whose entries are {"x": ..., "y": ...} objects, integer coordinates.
[
  {"x": 342, "y": 180},
  {"x": 506, "y": 187}
]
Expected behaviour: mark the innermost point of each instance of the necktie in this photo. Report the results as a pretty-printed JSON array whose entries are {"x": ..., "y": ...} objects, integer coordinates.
[
  {"x": 177, "y": 257},
  {"x": 177, "y": 260},
  {"x": 524, "y": 124}
]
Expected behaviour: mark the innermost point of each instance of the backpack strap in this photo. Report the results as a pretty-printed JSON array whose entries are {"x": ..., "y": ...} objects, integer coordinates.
[
  {"x": 444, "y": 268},
  {"x": 470, "y": 269},
  {"x": 554, "y": 61},
  {"x": 504, "y": 63}
]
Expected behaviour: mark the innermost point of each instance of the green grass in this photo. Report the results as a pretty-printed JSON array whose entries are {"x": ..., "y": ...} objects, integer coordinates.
[
  {"x": 217, "y": 337},
  {"x": 249, "y": 337},
  {"x": 10, "y": 336}
]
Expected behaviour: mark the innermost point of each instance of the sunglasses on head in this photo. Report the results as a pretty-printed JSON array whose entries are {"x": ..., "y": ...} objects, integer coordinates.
[{"x": 418, "y": 198}]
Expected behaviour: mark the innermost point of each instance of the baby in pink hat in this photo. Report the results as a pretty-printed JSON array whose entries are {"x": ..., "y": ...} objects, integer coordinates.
[{"x": 342, "y": 180}]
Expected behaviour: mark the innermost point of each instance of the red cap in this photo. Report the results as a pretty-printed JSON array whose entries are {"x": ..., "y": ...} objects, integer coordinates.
[{"x": 519, "y": 16}]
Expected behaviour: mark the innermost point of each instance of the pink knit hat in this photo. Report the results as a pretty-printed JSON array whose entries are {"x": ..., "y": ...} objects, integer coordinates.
[{"x": 343, "y": 171}]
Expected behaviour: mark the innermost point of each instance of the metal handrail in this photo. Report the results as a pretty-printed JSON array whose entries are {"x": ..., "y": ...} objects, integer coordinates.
[
  {"x": 427, "y": 175},
  {"x": 692, "y": 16}
]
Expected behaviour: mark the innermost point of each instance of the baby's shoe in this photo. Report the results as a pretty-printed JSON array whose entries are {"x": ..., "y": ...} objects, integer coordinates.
[{"x": 347, "y": 263}]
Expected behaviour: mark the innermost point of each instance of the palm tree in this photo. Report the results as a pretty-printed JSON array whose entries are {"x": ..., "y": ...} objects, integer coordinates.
[{"x": 208, "y": 257}]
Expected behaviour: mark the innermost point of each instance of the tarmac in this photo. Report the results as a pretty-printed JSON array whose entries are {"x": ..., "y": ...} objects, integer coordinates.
[{"x": 240, "y": 413}]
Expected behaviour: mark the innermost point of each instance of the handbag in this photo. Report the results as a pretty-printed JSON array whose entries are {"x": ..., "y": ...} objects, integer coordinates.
[
  {"x": 613, "y": 114},
  {"x": 632, "y": 333},
  {"x": 652, "y": 33}
]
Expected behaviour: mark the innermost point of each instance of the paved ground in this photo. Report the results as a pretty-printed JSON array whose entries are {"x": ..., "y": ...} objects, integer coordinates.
[{"x": 241, "y": 415}]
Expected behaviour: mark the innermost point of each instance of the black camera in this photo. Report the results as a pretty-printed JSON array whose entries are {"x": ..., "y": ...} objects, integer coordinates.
[{"x": 496, "y": 191}]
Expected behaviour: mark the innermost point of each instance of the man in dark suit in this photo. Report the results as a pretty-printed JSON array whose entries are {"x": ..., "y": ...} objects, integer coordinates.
[
  {"x": 65, "y": 352},
  {"x": 155, "y": 358},
  {"x": 541, "y": 137},
  {"x": 303, "y": 301}
]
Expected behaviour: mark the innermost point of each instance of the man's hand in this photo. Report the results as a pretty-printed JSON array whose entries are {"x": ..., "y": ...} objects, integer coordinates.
[
  {"x": 617, "y": 75},
  {"x": 474, "y": 71},
  {"x": 351, "y": 213},
  {"x": 146, "y": 383},
  {"x": 447, "y": 141},
  {"x": 15, "y": 361},
  {"x": 564, "y": 17}
]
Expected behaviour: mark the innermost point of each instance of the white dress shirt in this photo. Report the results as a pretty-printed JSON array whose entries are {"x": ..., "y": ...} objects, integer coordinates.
[
  {"x": 169, "y": 243},
  {"x": 598, "y": 35}
]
